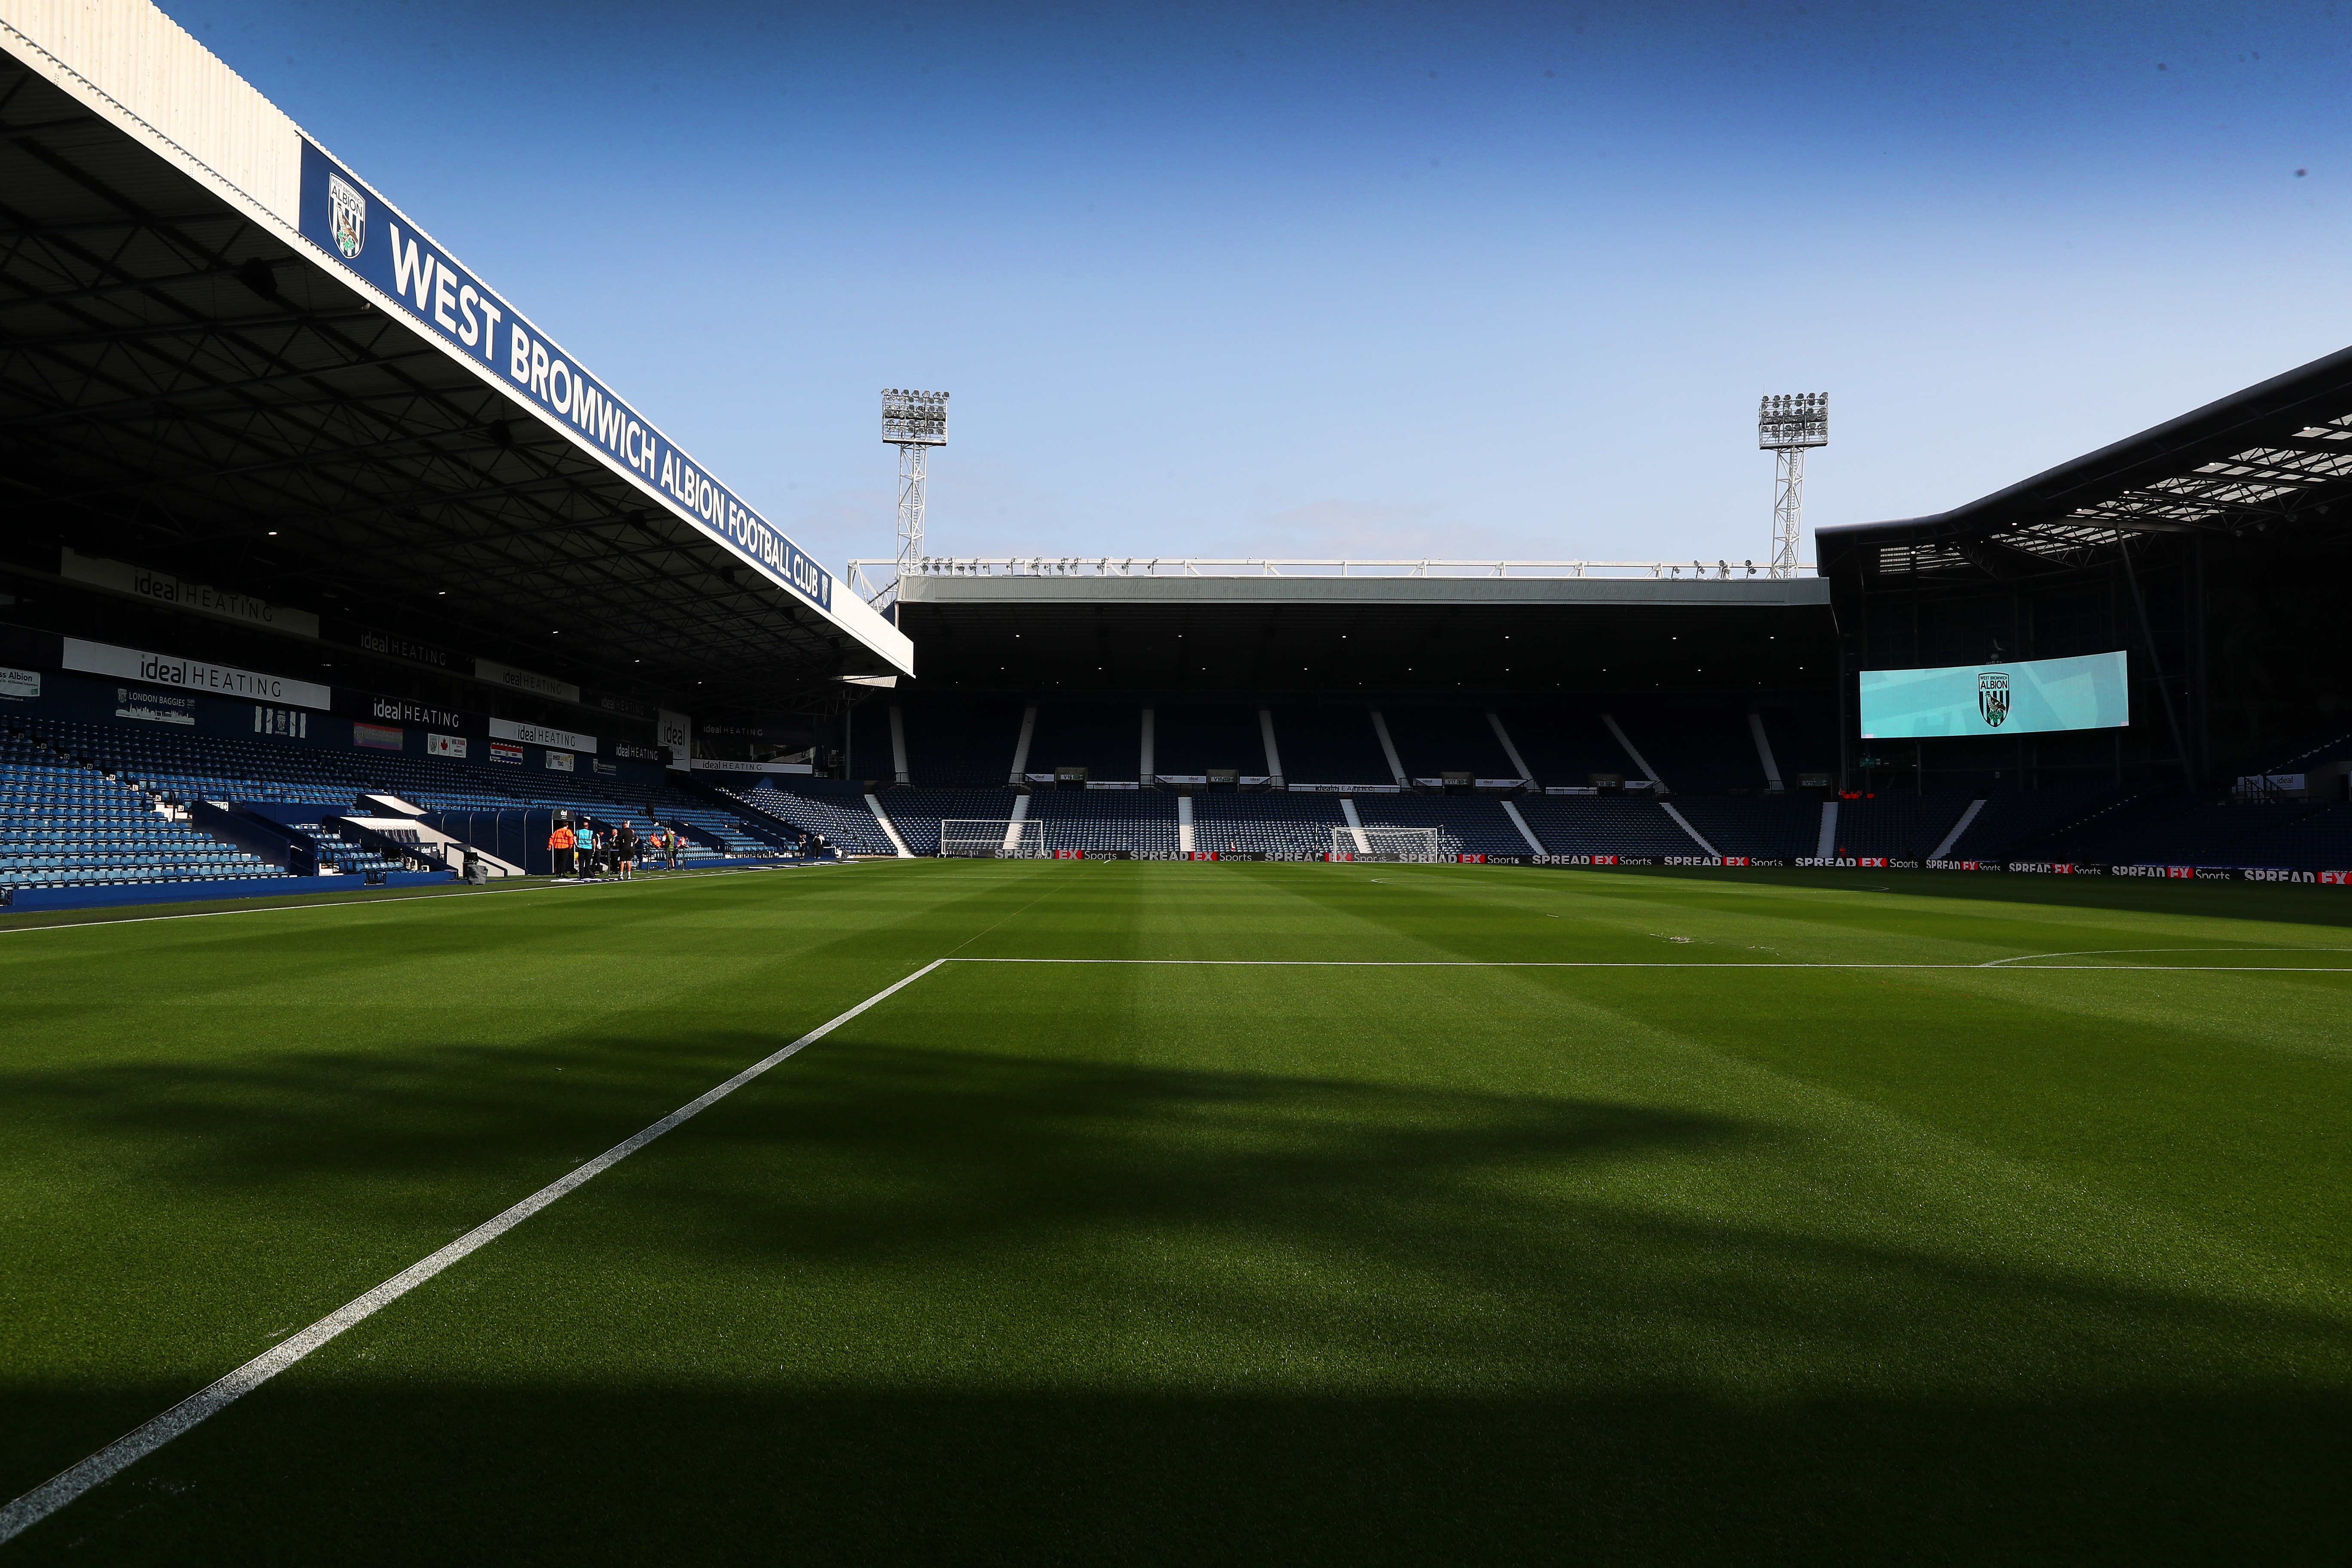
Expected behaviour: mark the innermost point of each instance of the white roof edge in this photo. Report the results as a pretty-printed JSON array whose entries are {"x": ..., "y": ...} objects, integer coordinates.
[{"x": 133, "y": 65}]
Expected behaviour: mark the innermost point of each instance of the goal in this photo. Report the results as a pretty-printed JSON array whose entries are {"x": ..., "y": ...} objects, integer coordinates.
[
  {"x": 971, "y": 838},
  {"x": 1392, "y": 844}
]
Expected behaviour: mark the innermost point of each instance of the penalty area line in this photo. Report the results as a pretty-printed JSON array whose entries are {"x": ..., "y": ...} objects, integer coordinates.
[{"x": 127, "y": 1450}]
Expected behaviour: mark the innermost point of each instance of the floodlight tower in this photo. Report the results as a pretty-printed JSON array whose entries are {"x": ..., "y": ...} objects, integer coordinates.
[
  {"x": 912, "y": 421},
  {"x": 1788, "y": 425}
]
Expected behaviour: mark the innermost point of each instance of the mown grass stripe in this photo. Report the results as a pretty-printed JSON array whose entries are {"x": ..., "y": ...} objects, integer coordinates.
[{"x": 127, "y": 1450}]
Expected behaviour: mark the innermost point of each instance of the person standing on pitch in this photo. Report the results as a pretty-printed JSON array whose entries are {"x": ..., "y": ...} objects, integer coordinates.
[
  {"x": 625, "y": 848},
  {"x": 560, "y": 843},
  {"x": 670, "y": 843}
]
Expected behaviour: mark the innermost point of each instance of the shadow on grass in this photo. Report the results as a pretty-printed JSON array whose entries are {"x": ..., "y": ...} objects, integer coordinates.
[
  {"x": 2297, "y": 903},
  {"x": 538, "y": 1474},
  {"x": 912, "y": 1306}
]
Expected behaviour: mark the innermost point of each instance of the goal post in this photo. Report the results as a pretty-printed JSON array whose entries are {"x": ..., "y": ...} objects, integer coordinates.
[
  {"x": 1425, "y": 844},
  {"x": 999, "y": 838}
]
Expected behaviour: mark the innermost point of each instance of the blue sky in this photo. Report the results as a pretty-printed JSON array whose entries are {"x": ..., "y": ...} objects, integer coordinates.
[{"x": 1364, "y": 279}]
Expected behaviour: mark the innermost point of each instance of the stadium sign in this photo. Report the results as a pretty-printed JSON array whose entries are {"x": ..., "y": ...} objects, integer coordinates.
[
  {"x": 192, "y": 675},
  {"x": 541, "y": 735},
  {"x": 359, "y": 231},
  {"x": 140, "y": 581}
]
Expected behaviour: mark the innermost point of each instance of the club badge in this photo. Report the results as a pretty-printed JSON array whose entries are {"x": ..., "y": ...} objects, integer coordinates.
[
  {"x": 350, "y": 216},
  {"x": 1993, "y": 696}
]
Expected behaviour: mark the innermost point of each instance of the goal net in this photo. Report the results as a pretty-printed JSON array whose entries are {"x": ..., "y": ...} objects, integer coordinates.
[
  {"x": 1392, "y": 844},
  {"x": 1001, "y": 839}
]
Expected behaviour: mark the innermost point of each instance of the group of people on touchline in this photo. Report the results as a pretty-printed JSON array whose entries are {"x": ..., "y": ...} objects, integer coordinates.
[{"x": 591, "y": 852}]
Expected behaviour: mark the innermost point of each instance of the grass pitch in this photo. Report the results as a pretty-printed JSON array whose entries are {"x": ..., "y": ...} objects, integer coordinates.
[{"x": 1660, "y": 1243}]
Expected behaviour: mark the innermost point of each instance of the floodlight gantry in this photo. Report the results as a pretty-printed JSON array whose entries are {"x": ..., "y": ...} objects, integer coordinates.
[
  {"x": 913, "y": 422},
  {"x": 1787, "y": 424}
]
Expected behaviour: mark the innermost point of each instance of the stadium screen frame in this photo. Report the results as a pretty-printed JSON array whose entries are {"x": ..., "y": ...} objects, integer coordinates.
[{"x": 2017, "y": 696}]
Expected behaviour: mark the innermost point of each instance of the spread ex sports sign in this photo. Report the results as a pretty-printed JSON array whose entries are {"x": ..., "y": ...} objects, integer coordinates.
[{"x": 356, "y": 227}]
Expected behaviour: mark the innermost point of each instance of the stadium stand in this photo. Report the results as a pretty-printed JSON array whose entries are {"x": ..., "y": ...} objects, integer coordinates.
[
  {"x": 1104, "y": 738},
  {"x": 1266, "y": 823},
  {"x": 1332, "y": 744},
  {"x": 1433, "y": 741},
  {"x": 64, "y": 824},
  {"x": 1770, "y": 827},
  {"x": 1475, "y": 824},
  {"x": 1565, "y": 746},
  {"x": 1804, "y": 738},
  {"x": 1143, "y": 820},
  {"x": 835, "y": 808},
  {"x": 1901, "y": 825},
  {"x": 2169, "y": 829},
  {"x": 1193, "y": 737},
  {"x": 1604, "y": 824},
  {"x": 1693, "y": 750},
  {"x": 2318, "y": 840},
  {"x": 152, "y": 773},
  {"x": 917, "y": 813},
  {"x": 2014, "y": 820},
  {"x": 959, "y": 744}
]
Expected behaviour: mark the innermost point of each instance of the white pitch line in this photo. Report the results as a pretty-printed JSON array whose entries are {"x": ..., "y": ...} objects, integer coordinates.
[
  {"x": 125, "y": 1451},
  {"x": 2101, "y": 952},
  {"x": 1669, "y": 964},
  {"x": 343, "y": 903}
]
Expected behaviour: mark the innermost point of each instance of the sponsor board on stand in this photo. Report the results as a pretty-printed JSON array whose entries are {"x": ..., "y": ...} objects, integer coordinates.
[
  {"x": 381, "y": 737},
  {"x": 503, "y": 752},
  {"x": 541, "y": 735},
  {"x": 20, "y": 682},
  {"x": 399, "y": 710},
  {"x": 154, "y": 706},
  {"x": 392, "y": 645},
  {"x": 192, "y": 675},
  {"x": 713, "y": 764},
  {"x": 560, "y": 762},
  {"x": 445, "y": 745},
  {"x": 674, "y": 732},
  {"x": 122, "y": 577}
]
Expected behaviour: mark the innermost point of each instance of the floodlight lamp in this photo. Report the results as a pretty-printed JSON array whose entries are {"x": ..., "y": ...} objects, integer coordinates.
[{"x": 912, "y": 418}]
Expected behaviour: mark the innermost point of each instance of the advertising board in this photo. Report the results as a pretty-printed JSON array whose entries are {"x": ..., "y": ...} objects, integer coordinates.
[{"x": 191, "y": 675}]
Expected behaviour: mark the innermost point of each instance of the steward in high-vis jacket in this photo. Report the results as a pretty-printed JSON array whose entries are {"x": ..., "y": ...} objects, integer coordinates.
[{"x": 562, "y": 841}]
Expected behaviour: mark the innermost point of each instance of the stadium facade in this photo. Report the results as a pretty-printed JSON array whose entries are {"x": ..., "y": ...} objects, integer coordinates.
[{"x": 323, "y": 554}]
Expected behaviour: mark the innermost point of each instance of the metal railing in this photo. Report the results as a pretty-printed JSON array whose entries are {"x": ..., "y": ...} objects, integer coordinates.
[{"x": 883, "y": 583}]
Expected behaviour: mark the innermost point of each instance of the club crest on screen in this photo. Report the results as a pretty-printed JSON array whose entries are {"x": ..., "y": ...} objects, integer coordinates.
[{"x": 1993, "y": 696}]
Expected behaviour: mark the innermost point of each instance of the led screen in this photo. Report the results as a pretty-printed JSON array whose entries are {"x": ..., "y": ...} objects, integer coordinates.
[{"x": 2021, "y": 697}]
